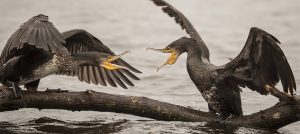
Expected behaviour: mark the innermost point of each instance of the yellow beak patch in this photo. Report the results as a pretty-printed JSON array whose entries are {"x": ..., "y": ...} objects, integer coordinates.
[
  {"x": 171, "y": 59},
  {"x": 109, "y": 66}
]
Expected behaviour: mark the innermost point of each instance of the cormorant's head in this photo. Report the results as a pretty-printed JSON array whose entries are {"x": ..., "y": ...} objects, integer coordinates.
[
  {"x": 175, "y": 49},
  {"x": 105, "y": 60},
  {"x": 108, "y": 61}
]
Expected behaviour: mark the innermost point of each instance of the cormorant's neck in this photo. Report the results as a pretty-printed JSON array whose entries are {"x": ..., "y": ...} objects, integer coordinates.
[
  {"x": 82, "y": 60},
  {"x": 195, "y": 53}
]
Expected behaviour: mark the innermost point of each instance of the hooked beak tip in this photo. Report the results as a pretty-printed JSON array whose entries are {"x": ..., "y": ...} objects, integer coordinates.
[
  {"x": 125, "y": 52},
  {"x": 154, "y": 49},
  {"x": 121, "y": 55}
]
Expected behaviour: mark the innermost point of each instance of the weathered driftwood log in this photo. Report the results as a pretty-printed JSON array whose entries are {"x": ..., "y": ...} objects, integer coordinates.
[{"x": 275, "y": 117}]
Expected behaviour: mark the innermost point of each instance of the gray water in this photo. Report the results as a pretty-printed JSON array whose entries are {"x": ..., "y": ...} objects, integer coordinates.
[{"x": 135, "y": 25}]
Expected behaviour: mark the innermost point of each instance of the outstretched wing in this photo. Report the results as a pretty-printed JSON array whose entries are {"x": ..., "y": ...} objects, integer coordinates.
[
  {"x": 81, "y": 41},
  {"x": 261, "y": 63},
  {"x": 183, "y": 22},
  {"x": 38, "y": 33},
  {"x": 179, "y": 18}
]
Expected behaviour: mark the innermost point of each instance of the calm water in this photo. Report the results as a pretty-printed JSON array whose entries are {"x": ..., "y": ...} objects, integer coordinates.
[{"x": 135, "y": 25}]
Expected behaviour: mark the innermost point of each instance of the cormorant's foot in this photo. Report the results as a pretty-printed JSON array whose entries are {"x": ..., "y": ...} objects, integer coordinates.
[
  {"x": 211, "y": 110},
  {"x": 16, "y": 89},
  {"x": 228, "y": 119},
  {"x": 56, "y": 90},
  {"x": 222, "y": 120},
  {"x": 225, "y": 117},
  {"x": 17, "y": 94}
]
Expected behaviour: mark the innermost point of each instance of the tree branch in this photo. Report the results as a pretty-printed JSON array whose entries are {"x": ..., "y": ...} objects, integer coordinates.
[{"x": 275, "y": 117}]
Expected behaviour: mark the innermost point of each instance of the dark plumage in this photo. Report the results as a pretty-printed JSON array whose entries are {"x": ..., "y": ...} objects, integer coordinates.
[
  {"x": 37, "y": 49},
  {"x": 259, "y": 66}
]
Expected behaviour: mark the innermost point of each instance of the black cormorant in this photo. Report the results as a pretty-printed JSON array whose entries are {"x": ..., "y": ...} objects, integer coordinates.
[
  {"x": 259, "y": 66},
  {"x": 37, "y": 49}
]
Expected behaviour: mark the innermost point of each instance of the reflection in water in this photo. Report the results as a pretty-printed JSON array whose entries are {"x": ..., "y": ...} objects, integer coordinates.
[{"x": 49, "y": 125}]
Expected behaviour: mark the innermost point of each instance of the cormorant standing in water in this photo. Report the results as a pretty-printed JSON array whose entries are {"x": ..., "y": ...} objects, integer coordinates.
[
  {"x": 37, "y": 49},
  {"x": 259, "y": 66}
]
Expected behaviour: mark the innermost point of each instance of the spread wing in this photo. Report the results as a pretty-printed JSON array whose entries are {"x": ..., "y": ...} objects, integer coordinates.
[
  {"x": 261, "y": 63},
  {"x": 81, "y": 41},
  {"x": 37, "y": 33},
  {"x": 179, "y": 18},
  {"x": 183, "y": 22}
]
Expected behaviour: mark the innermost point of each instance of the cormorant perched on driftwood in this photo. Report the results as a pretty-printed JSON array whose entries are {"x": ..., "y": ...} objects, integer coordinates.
[
  {"x": 259, "y": 66},
  {"x": 37, "y": 49}
]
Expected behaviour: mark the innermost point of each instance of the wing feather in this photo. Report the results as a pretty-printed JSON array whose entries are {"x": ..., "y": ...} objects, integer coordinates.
[
  {"x": 116, "y": 79},
  {"x": 123, "y": 77},
  {"x": 99, "y": 77},
  {"x": 92, "y": 75},
  {"x": 184, "y": 23},
  {"x": 107, "y": 78},
  {"x": 78, "y": 41},
  {"x": 261, "y": 62},
  {"x": 179, "y": 18},
  {"x": 32, "y": 35},
  {"x": 128, "y": 73},
  {"x": 86, "y": 77},
  {"x": 80, "y": 74}
]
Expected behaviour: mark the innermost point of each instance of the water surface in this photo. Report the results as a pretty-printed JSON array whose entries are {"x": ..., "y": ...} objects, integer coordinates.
[{"x": 135, "y": 25}]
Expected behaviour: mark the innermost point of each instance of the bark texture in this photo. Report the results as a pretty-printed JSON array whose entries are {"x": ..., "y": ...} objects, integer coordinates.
[{"x": 281, "y": 114}]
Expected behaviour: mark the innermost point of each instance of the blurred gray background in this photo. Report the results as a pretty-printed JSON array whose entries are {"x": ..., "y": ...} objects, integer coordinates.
[{"x": 137, "y": 24}]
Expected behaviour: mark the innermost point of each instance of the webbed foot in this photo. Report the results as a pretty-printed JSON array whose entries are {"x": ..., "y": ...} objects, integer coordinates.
[
  {"x": 211, "y": 110},
  {"x": 224, "y": 116},
  {"x": 16, "y": 89}
]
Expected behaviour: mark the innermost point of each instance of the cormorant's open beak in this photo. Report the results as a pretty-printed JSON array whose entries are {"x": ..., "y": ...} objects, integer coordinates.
[
  {"x": 171, "y": 59},
  {"x": 108, "y": 62}
]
